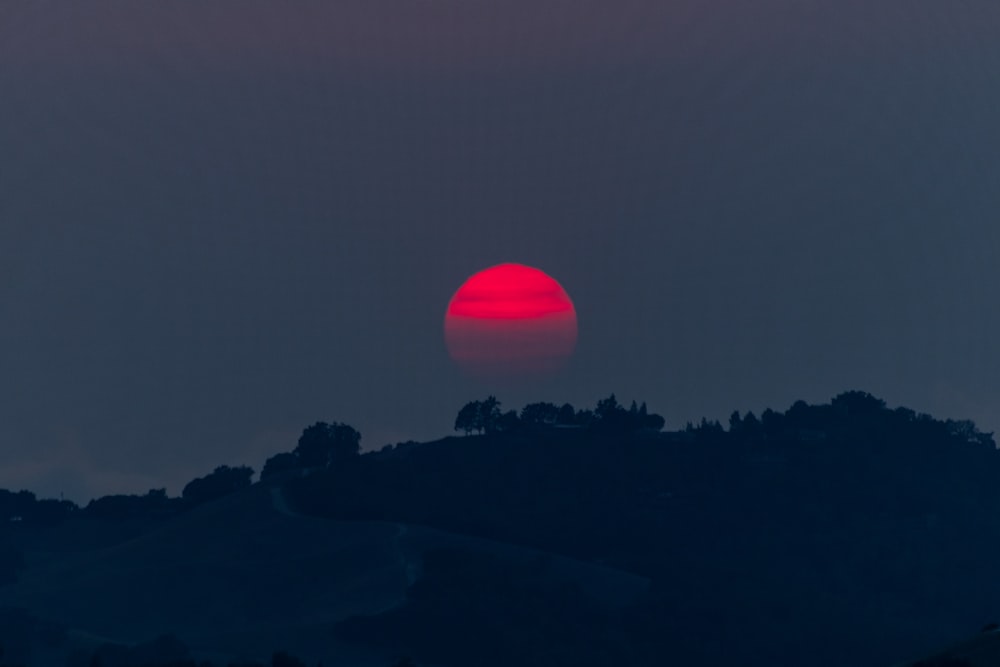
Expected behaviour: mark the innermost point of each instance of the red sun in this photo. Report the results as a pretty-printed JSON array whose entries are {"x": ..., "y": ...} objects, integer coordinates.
[{"x": 510, "y": 320}]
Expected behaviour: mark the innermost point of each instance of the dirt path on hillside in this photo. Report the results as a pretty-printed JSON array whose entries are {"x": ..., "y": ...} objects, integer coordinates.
[
  {"x": 280, "y": 503},
  {"x": 409, "y": 565}
]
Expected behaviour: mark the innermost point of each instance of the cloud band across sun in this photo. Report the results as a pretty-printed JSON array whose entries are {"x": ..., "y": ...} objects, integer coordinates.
[{"x": 510, "y": 320}]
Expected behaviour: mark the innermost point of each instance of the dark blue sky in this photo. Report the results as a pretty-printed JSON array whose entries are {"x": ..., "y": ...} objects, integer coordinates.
[{"x": 221, "y": 223}]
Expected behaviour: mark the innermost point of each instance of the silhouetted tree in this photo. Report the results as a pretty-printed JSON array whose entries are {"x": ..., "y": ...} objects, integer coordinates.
[
  {"x": 608, "y": 408},
  {"x": 50, "y": 510},
  {"x": 567, "y": 415},
  {"x": 468, "y": 418},
  {"x": 857, "y": 403},
  {"x": 709, "y": 426},
  {"x": 489, "y": 414},
  {"x": 745, "y": 426},
  {"x": 540, "y": 414},
  {"x": 223, "y": 481},
  {"x": 280, "y": 463},
  {"x": 323, "y": 445},
  {"x": 654, "y": 422},
  {"x": 508, "y": 421},
  {"x": 24, "y": 506},
  {"x": 735, "y": 422},
  {"x": 966, "y": 431},
  {"x": 482, "y": 416},
  {"x": 610, "y": 416},
  {"x": 650, "y": 421},
  {"x": 16, "y": 505},
  {"x": 771, "y": 422}
]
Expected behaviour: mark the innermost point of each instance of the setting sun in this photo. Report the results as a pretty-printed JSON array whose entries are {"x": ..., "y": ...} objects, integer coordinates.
[{"x": 510, "y": 320}]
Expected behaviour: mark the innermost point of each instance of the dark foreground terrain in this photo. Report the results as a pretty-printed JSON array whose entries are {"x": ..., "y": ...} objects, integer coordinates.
[{"x": 830, "y": 535}]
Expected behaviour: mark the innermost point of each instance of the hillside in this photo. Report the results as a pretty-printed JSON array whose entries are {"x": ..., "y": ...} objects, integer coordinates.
[
  {"x": 845, "y": 533},
  {"x": 872, "y": 524},
  {"x": 242, "y": 576}
]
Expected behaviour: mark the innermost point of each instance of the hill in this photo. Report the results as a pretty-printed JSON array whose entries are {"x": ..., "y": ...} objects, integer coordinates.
[
  {"x": 851, "y": 519},
  {"x": 239, "y": 577},
  {"x": 846, "y": 533}
]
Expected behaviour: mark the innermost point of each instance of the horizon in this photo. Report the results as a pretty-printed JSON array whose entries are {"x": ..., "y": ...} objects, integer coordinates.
[
  {"x": 273, "y": 443},
  {"x": 455, "y": 432}
]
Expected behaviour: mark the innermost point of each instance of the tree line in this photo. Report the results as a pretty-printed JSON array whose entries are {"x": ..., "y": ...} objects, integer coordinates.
[
  {"x": 487, "y": 417},
  {"x": 326, "y": 445}
]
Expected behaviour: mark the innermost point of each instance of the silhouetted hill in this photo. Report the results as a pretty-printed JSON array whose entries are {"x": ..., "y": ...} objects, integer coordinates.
[
  {"x": 760, "y": 541},
  {"x": 242, "y": 576},
  {"x": 839, "y": 534}
]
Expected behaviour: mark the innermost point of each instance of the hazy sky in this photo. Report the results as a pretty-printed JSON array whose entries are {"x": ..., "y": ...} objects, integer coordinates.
[{"x": 221, "y": 222}]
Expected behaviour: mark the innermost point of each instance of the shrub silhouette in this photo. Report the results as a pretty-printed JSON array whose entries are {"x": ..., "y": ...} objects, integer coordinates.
[
  {"x": 280, "y": 463},
  {"x": 223, "y": 481},
  {"x": 482, "y": 416},
  {"x": 540, "y": 414},
  {"x": 154, "y": 503},
  {"x": 567, "y": 415},
  {"x": 323, "y": 445}
]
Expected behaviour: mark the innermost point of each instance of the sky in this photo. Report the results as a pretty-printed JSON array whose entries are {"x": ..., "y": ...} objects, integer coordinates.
[{"x": 221, "y": 222}]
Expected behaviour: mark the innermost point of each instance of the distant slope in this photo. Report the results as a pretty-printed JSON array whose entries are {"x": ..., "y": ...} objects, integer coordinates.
[{"x": 245, "y": 575}]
